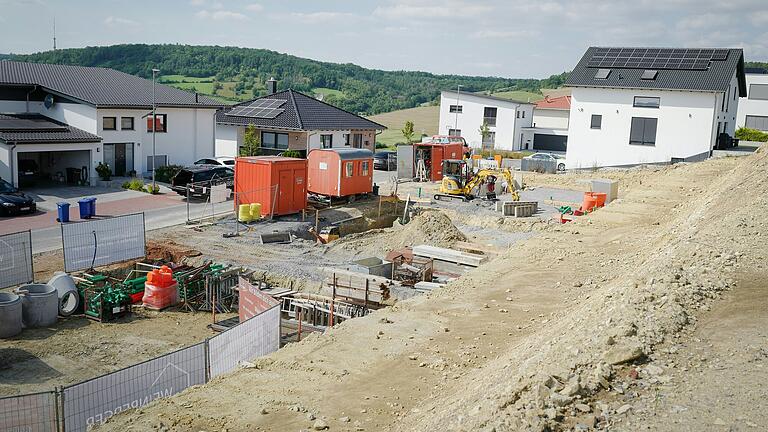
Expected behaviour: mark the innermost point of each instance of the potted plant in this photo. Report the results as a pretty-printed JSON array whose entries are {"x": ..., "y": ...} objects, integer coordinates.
[{"x": 104, "y": 172}]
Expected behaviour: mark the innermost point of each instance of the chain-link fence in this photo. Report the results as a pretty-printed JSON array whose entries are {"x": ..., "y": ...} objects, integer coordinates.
[
  {"x": 16, "y": 259},
  {"x": 36, "y": 412}
]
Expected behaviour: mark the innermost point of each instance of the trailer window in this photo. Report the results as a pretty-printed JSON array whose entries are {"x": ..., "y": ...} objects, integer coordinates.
[
  {"x": 365, "y": 168},
  {"x": 350, "y": 169}
]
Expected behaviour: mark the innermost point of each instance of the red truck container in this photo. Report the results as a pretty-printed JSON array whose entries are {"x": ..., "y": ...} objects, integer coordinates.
[
  {"x": 340, "y": 172},
  {"x": 257, "y": 177},
  {"x": 433, "y": 154}
]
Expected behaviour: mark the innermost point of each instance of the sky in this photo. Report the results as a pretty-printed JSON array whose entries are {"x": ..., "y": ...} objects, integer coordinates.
[{"x": 507, "y": 38}]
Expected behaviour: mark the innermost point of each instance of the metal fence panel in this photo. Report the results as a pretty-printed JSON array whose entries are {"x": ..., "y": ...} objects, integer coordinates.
[
  {"x": 93, "y": 402},
  {"x": 103, "y": 241},
  {"x": 256, "y": 337},
  {"x": 29, "y": 413},
  {"x": 16, "y": 259}
]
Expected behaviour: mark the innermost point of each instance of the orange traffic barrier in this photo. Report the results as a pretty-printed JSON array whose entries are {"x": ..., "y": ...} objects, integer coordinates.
[{"x": 589, "y": 203}]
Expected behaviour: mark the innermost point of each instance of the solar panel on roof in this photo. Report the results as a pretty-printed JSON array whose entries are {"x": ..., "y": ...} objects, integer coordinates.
[
  {"x": 260, "y": 108},
  {"x": 9, "y": 123},
  {"x": 656, "y": 58}
]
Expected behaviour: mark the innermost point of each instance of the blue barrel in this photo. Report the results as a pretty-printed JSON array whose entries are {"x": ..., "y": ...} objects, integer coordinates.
[
  {"x": 63, "y": 208},
  {"x": 85, "y": 208},
  {"x": 92, "y": 204}
]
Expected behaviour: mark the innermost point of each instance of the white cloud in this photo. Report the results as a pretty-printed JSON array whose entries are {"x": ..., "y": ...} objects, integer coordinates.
[
  {"x": 319, "y": 17},
  {"x": 221, "y": 15},
  {"x": 117, "y": 21},
  {"x": 197, "y": 2},
  {"x": 254, "y": 7},
  {"x": 503, "y": 34}
]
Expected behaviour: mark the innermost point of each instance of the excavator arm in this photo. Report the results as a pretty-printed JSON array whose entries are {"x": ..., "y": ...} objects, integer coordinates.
[{"x": 482, "y": 175}]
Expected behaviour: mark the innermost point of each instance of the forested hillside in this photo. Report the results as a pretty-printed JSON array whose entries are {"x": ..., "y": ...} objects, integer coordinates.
[{"x": 239, "y": 73}]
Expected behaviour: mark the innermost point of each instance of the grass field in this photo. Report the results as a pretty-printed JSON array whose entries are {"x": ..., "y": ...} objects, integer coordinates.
[
  {"x": 425, "y": 120},
  {"x": 184, "y": 78},
  {"x": 205, "y": 86},
  {"x": 327, "y": 91},
  {"x": 519, "y": 95}
]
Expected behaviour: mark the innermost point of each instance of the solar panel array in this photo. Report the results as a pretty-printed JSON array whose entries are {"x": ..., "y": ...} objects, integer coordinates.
[
  {"x": 656, "y": 58},
  {"x": 22, "y": 124},
  {"x": 260, "y": 108}
]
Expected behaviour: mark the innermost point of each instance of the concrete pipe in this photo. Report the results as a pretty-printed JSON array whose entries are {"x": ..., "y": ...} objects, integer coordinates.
[
  {"x": 10, "y": 315},
  {"x": 69, "y": 298},
  {"x": 39, "y": 305}
]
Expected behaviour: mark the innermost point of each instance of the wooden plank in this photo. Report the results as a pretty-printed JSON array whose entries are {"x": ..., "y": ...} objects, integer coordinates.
[
  {"x": 427, "y": 286},
  {"x": 477, "y": 249},
  {"x": 449, "y": 255}
]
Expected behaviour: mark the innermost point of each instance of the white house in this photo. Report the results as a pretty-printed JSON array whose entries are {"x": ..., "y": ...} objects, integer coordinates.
[
  {"x": 549, "y": 131},
  {"x": 753, "y": 109},
  {"x": 290, "y": 120},
  {"x": 59, "y": 122},
  {"x": 650, "y": 105},
  {"x": 462, "y": 114}
]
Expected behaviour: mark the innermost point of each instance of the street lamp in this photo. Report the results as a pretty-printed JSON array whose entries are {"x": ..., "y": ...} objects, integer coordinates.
[
  {"x": 456, "y": 121},
  {"x": 154, "y": 126}
]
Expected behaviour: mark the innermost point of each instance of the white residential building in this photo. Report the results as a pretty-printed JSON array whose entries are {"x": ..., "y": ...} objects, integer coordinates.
[
  {"x": 462, "y": 114},
  {"x": 633, "y": 106},
  {"x": 549, "y": 131},
  {"x": 753, "y": 109},
  {"x": 59, "y": 120}
]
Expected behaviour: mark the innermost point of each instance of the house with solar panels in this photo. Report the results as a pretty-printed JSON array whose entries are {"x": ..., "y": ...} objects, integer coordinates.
[
  {"x": 291, "y": 120},
  {"x": 58, "y": 122},
  {"x": 633, "y": 106}
]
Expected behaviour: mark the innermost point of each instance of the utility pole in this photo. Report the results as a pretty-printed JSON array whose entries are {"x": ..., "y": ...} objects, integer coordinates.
[
  {"x": 54, "y": 33},
  {"x": 456, "y": 121},
  {"x": 154, "y": 127}
]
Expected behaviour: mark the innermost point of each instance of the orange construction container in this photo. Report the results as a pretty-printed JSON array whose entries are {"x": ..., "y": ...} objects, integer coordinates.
[
  {"x": 278, "y": 183},
  {"x": 435, "y": 153},
  {"x": 160, "y": 290},
  {"x": 340, "y": 172}
]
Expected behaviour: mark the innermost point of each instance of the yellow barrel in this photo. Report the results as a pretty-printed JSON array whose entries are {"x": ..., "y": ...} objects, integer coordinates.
[
  {"x": 244, "y": 213},
  {"x": 255, "y": 211}
]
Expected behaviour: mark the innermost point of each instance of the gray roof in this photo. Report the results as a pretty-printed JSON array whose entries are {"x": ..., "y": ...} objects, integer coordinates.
[
  {"x": 302, "y": 113},
  {"x": 100, "y": 87},
  {"x": 716, "y": 78},
  {"x": 349, "y": 153},
  {"x": 38, "y": 129},
  {"x": 490, "y": 97}
]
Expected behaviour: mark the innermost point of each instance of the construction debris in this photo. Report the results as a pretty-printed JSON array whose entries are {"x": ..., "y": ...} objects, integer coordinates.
[{"x": 449, "y": 255}]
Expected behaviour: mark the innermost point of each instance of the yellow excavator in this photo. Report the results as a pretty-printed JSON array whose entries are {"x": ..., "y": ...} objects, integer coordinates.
[{"x": 460, "y": 182}]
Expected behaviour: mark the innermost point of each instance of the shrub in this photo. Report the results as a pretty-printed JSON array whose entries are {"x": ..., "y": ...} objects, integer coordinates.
[
  {"x": 134, "y": 184},
  {"x": 103, "y": 170},
  {"x": 380, "y": 145},
  {"x": 748, "y": 134},
  {"x": 165, "y": 173},
  {"x": 292, "y": 153},
  {"x": 154, "y": 191}
]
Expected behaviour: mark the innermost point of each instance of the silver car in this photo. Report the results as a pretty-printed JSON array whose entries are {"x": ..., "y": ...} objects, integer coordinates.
[{"x": 558, "y": 160}]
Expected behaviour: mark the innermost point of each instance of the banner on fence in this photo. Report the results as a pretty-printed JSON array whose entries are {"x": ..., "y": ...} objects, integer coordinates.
[
  {"x": 93, "y": 402},
  {"x": 29, "y": 413},
  {"x": 16, "y": 259},
  {"x": 103, "y": 241},
  {"x": 253, "y": 338}
]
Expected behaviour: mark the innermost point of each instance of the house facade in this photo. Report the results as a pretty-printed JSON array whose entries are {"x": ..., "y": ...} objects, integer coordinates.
[
  {"x": 549, "y": 131},
  {"x": 290, "y": 120},
  {"x": 462, "y": 114},
  {"x": 753, "y": 109},
  {"x": 112, "y": 109},
  {"x": 634, "y": 106}
]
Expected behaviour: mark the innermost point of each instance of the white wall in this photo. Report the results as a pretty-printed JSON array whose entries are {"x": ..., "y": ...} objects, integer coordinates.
[
  {"x": 551, "y": 118},
  {"x": 78, "y": 115},
  {"x": 685, "y": 127},
  {"x": 5, "y": 163},
  {"x": 338, "y": 139},
  {"x": 227, "y": 140},
  {"x": 752, "y": 107},
  {"x": 508, "y": 127}
]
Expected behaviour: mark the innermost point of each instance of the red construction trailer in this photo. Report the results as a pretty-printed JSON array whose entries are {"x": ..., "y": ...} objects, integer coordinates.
[
  {"x": 341, "y": 172},
  {"x": 433, "y": 153},
  {"x": 279, "y": 184}
]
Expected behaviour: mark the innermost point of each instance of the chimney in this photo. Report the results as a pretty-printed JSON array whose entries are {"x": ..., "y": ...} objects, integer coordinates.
[
  {"x": 272, "y": 86},
  {"x": 197, "y": 97}
]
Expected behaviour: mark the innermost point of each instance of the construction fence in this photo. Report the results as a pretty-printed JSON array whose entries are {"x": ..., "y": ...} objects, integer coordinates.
[
  {"x": 209, "y": 200},
  {"x": 16, "y": 259},
  {"x": 78, "y": 407}
]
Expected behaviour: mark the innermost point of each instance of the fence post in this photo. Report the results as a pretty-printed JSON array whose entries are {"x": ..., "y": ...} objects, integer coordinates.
[
  {"x": 379, "y": 214},
  {"x": 298, "y": 318},
  {"x": 188, "y": 203},
  {"x": 206, "y": 350}
]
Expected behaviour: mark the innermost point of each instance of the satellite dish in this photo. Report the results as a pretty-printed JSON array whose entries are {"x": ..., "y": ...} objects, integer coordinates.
[{"x": 48, "y": 101}]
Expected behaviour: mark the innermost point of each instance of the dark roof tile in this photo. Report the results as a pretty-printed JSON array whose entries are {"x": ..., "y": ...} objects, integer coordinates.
[{"x": 48, "y": 130}]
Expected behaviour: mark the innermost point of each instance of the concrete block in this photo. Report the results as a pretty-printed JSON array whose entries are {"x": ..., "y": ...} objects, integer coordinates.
[{"x": 608, "y": 187}]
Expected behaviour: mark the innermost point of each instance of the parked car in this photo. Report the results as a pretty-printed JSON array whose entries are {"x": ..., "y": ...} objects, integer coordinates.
[
  {"x": 385, "y": 160},
  {"x": 222, "y": 161},
  {"x": 14, "y": 202},
  {"x": 196, "y": 180},
  {"x": 558, "y": 160}
]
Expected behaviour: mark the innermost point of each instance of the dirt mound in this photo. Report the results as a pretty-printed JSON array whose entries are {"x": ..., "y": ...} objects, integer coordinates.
[
  {"x": 430, "y": 227},
  {"x": 169, "y": 251}
]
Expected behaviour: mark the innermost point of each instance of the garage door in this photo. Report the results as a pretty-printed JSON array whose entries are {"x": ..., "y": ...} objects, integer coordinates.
[{"x": 549, "y": 142}]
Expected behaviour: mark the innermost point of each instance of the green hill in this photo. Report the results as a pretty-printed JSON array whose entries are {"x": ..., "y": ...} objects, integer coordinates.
[
  {"x": 425, "y": 121},
  {"x": 240, "y": 73}
]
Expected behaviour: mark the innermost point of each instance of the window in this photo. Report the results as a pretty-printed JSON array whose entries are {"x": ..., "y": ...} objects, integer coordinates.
[
  {"x": 162, "y": 160},
  {"x": 649, "y": 75},
  {"x": 458, "y": 109},
  {"x": 489, "y": 141},
  {"x": 758, "y": 91},
  {"x": 522, "y": 115},
  {"x": 364, "y": 169},
  {"x": 489, "y": 116},
  {"x": 109, "y": 123},
  {"x": 725, "y": 99},
  {"x": 757, "y": 122},
  {"x": 646, "y": 102},
  {"x": 326, "y": 140},
  {"x": 454, "y": 132},
  {"x": 602, "y": 73},
  {"x": 346, "y": 140},
  {"x": 518, "y": 114},
  {"x": 126, "y": 123},
  {"x": 643, "y": 131},
  {"x": 597, "y": 121},
  {"x": 161, "y": 123},
  {"x": 274, "y": 140},
  {"x": 349, "y": 169},
  {"x": 357, "y": 140}
]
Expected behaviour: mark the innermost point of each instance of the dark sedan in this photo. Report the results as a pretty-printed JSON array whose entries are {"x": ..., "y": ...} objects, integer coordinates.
[
  {"x": 385, "y": 160},
  {"x": 13, "y": 202},
  {"x": 196, "y": 181}
]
